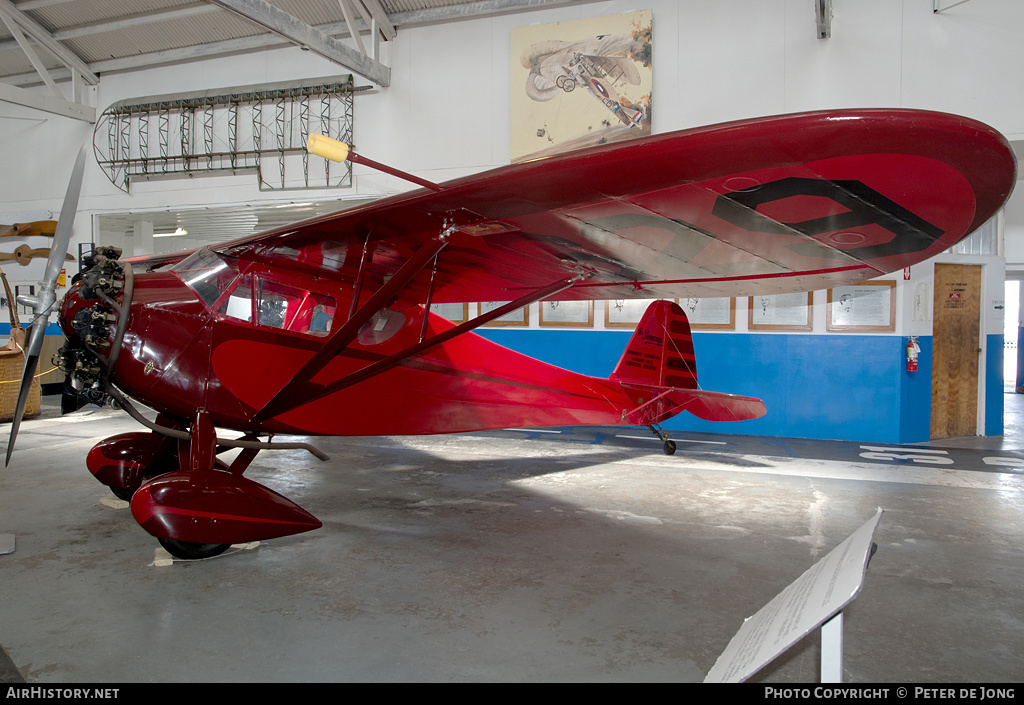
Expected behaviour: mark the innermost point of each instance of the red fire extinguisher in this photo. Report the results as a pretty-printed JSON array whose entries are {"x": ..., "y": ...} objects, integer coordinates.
[{"x": 913, "y": 349}]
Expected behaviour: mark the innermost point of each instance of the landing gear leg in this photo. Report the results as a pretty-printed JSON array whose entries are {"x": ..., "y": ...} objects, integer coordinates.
[
  {"x": 201, "y": 454},
  {"x": 670, "y": 445}
]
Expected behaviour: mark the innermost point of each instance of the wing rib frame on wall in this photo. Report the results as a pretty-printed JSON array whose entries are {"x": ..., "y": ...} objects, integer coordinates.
[{"x": 231, "y": 138}]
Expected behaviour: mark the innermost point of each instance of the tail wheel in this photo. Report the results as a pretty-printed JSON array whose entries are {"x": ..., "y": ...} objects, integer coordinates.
[{"x": 193, "y": 551}]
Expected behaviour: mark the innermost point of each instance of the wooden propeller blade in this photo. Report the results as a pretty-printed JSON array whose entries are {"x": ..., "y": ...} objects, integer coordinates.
[
  {"x": 23, "y": 254},
  {"x": 37, "y": 228}
]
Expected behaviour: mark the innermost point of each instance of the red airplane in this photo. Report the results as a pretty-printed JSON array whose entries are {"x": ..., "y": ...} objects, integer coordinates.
[{"x": 324, "y": 327}]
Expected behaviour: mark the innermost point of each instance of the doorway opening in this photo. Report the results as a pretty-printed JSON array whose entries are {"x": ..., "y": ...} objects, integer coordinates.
[{"x": 1011, "y": 315}]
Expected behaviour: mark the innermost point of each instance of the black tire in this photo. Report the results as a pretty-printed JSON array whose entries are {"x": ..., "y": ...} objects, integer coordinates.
[
  {"x": 70, "y": 403},
  {"x": 670, "y": 447},
  {"x": 193, "y": 551},
  {"x": 126, "y": 495}
]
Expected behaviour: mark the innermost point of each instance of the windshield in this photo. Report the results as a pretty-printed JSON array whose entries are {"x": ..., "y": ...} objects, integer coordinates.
[{"x": 207, "y": 273}]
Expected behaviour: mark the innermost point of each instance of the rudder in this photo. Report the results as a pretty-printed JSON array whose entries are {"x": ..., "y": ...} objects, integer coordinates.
[{"x": 660, "y": 353}]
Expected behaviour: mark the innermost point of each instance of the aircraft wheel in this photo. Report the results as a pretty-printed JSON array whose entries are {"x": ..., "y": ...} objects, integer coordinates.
[
  {"x": 126, "y": 495},
  {"x": 193, "y": 551},
  {"x": 568, "y": 85},
  {"x": 670, "y": 447}
]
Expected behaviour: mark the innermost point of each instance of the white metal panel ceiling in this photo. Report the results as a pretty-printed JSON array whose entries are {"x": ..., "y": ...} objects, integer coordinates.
[{"x": 125, "y": 34}]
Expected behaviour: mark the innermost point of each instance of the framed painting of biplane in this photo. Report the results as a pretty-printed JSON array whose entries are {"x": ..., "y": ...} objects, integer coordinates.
[{"x": 580, "y": 83}]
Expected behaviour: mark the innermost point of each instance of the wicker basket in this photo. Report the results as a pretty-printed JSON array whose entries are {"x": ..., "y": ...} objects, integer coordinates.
[{"x": 12, "y": 366}]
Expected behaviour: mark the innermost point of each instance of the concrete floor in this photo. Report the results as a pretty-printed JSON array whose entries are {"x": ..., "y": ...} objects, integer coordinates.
[{"x": 516, "y": 556}]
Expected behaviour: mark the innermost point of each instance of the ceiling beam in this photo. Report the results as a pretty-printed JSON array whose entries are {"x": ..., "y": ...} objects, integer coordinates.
[
  {"x": 46, "y": 40},
  {"x": 384, "y": 25},
  {"x": 36, "y": 4},
  {"x": 346, "y": 11},
  {"x": 29, "y": 52},
  {"x": 144, "y": 18},
  {"x": 46, "y": 103},
  {"x": 823, "y": 17},
  {"x": 134, "y": 21},
  {"x": 937, "y": 3},
  {"x": 451, "y": 13},
  {"x": 307, "y": 37}
]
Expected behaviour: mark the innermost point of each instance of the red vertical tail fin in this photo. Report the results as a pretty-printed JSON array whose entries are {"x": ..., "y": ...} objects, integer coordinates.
[
  {"x": 659, "y": 363},
  {"x": 660, "y": 353}
]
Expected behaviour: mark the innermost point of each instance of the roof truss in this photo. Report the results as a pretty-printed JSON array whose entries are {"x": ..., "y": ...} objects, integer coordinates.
[
  {"x": 366, "y": 21},
  {"x": 25, "y": 31},
  {"x": 298, "y": 32}
]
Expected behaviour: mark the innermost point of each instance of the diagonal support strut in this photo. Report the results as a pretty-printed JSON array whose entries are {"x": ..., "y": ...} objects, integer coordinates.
[
  {"x": 299, "y": 386},
  {"x": 398, "y": 358}
]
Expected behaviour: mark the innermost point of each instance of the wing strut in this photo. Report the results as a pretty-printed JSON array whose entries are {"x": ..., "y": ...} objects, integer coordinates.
[
  {"x": 398, "y": 358},
  {"x": 299, "y": 386}
]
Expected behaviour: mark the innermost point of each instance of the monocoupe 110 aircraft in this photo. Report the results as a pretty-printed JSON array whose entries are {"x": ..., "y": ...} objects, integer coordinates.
[{"x": 324, "y": 327}]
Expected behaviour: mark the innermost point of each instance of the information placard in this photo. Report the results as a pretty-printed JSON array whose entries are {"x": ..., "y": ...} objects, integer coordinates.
[{"x": 815, "y": 597}]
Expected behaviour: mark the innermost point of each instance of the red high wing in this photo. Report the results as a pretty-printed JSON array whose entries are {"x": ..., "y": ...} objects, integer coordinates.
[{"x": 787, "y": 203}]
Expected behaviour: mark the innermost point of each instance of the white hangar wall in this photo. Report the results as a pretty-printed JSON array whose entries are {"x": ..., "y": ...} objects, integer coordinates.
[
  {"x": 447, "y": 110},
  {"x": 446, "y": 114}
]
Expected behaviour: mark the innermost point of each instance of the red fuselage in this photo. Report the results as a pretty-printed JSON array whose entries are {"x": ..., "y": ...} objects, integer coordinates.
[{"x": 181, "y": 354}]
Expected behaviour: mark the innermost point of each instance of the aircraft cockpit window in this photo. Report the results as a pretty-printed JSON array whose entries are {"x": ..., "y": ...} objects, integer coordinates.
[
  {"x": 207, "y": 273},
  {"x": 239, "y": 303},
  {"x": 297, "y": 310}
]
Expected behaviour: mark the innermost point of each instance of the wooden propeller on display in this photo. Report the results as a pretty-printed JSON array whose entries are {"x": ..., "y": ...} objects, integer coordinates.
[
  {"x": 23, "y": 254},
  {"x": 44, "y": 228}
]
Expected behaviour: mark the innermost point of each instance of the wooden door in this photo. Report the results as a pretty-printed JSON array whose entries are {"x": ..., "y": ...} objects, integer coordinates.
[{"x": 956, "y": 346}]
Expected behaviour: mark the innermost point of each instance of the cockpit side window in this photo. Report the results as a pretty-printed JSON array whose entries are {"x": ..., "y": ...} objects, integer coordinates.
[
  {"x": 207, "y": 273},
  {"x": 290, "y": 308},
  {"x": 238, "y": 304}
]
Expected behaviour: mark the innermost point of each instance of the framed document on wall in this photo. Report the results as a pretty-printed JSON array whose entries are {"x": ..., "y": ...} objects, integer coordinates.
[
  {"x": 579, "y": 314},
  {"x": 866, "y": 306},
  {"x": 781, "y": 312},
  {"x": 519, "y": 317},
  {"x": 710, "y": 312},
  {"x": 456, "y": 313},
  {"x": 624, "y": 313}
]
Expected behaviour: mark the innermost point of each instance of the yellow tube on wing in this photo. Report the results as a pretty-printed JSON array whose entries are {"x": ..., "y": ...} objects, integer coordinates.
[{"x": 326, "y": 147}]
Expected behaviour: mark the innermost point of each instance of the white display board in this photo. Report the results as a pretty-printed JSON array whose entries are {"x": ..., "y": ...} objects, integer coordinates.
[{"x": 814, "y": 598}]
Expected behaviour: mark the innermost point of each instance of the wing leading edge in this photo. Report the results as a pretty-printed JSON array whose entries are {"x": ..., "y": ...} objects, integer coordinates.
[{"x": 768, "y": 205}]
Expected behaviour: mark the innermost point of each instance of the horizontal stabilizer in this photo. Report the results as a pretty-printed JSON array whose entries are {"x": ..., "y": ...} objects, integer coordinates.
[
  {"x": 710, "y": 406},
  {"x": 660, "y": 360}
]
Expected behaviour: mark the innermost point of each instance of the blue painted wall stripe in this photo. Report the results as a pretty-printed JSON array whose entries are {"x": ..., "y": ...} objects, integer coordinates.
[
  {"x": 838, "y": 387},
  {"x": 994, "y": 386}
]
